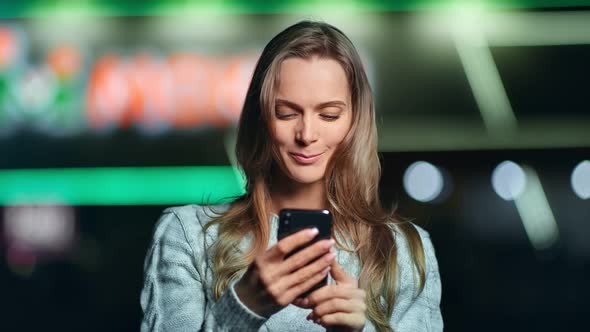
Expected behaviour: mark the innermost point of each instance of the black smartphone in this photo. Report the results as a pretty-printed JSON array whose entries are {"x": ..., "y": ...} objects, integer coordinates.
[{"x": 293, "y": 220}]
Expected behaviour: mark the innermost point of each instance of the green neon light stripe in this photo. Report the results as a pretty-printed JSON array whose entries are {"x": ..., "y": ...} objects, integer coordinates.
[
  {"x": 35, "y": 8},
  {"x": 120, "y": 186}
]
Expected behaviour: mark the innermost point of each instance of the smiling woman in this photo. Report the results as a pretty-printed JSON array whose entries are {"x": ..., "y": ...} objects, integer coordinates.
[{"x": 307, "y": 139}]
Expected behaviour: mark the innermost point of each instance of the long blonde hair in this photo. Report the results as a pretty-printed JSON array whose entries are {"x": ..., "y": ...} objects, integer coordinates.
[{"x": 351, "y": 178}]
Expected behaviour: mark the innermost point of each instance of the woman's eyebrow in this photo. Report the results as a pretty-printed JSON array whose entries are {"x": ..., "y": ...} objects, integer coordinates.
[
  {"x": 331, "y": 103},
  {"x": 290, "y": 104}
]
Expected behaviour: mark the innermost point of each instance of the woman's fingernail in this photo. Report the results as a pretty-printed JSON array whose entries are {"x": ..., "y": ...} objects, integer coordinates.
[
  {"x": 329, "y": 257},
  {"x": 313, "y": 232},
  {"x": 328, "y": 244},
  {"x": 325, "y": 271}
]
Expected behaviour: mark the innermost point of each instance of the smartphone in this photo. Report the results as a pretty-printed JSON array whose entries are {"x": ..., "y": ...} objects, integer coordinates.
[{"x": 293, "y": 220}]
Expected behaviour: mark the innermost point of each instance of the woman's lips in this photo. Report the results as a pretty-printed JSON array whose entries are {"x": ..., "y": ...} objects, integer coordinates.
[{"x": 305, "y": 159}]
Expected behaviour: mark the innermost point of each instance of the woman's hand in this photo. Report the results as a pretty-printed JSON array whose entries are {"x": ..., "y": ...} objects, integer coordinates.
[
  {"x": 339, "y": 307},
  {"x": 273, "y": 281}
]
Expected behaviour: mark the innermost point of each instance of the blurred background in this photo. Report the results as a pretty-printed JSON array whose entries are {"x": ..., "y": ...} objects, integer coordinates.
[{"x": 111, "y": 111}]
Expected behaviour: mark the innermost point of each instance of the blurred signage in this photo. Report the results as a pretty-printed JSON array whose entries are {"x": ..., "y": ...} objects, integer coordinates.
[
  {"x": 183, "y": 90},
  {"x": 69, "y": 91}
]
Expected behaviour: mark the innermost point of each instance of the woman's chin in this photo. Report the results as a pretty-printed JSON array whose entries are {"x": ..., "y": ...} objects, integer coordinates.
[{"x": 306, "y": 178}]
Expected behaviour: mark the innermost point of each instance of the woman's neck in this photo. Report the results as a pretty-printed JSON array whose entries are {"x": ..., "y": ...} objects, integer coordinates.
[{"x": 287, "y": 194}]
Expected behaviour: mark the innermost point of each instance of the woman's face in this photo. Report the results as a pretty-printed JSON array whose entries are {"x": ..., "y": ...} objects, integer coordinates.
[{"x": 311, "y": 117}]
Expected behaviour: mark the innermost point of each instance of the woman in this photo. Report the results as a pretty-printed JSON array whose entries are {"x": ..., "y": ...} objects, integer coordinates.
[{"x": 306, "y": 139}]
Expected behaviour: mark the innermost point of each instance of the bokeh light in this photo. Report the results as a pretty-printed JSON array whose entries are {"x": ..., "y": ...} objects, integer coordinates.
[
  {"x": 581, "y": 179},
  {"x": 508, "y": 180},
  {"x": 423, "y": 181},
  {"x": 42, "y": 228}
]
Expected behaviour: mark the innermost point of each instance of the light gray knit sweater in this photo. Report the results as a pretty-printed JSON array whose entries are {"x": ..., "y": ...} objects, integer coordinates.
[{"x": 177, "y": 294}]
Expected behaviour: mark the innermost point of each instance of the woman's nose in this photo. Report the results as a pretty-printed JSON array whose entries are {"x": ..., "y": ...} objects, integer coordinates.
[{"x": 306, "y": 132}]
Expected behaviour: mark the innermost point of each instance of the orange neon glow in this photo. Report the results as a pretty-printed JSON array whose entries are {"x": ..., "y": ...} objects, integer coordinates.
[
  {"x": 150, "y": 86},
  {"x": 108, "y": 93},
  {"x": 231, "y": 94},
  {"x": 65, "y": 61},
  {"x": 8, "y": 47},
  {"x": 193, "y": 89}
]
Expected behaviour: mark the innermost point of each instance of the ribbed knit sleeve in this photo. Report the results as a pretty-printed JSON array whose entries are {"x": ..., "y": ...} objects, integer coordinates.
[
  {"x": 414, "y": 310},
  {"x": 173, "y": 297}
]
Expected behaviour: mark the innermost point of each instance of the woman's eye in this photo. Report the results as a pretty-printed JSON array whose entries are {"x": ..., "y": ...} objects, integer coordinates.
[
  {"x": 330, "y": 117},
  {"x": 285, "y": 115}
]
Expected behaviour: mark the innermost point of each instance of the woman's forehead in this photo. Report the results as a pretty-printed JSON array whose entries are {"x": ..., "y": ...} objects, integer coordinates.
[{"x": 315, "y": 79}]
